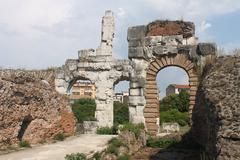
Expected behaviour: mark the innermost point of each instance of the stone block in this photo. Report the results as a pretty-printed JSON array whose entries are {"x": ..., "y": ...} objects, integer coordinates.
[
  {"x": 204, "y": 49},
  {"x": 136, "y": 52},
  {"x": 137, "y": 100},
  {"x": 136, "y": 92},
  {"x": 162, "y": 50},
  {"x": 137, "y": 32},
  {"x": 135, "y": 43}
]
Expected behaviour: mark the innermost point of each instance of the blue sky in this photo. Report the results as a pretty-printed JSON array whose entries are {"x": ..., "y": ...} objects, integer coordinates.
[{"x": 43, "y": 33}]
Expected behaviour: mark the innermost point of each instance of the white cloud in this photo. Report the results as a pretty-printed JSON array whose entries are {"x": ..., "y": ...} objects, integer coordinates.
[
  {"x": 204, "y": 26},
  {"x": 121, "y": 12},
  {"x": 194, "y": 9},
  {"x": 23, "y": 16}
]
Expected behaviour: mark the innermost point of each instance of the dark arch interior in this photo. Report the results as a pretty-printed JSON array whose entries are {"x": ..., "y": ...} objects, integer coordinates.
[{"x": 25, "y": 123}]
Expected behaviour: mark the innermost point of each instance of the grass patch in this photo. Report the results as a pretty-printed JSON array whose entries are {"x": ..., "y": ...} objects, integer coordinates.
[
  {"x": 124, "y": 157},
  {"x": 161, "y": 142},
  {"x": 76, "y": 156},
  {"x": 107, "y": 130},
  {"x": 24, "y": 144},
  {"x": 134, "y": 128},
  {"x": 173, "y": 115},
  {"x": 59, "y": 137},
  {"x": 113, "y": 146}
]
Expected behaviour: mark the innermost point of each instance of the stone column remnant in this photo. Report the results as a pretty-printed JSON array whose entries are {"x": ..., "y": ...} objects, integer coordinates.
[{"x": 107, "y": 35}]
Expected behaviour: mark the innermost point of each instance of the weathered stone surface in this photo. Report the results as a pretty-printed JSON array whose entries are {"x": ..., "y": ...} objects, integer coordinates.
[
  {"x": 166, "y": 43},
  {"x": 136, "y": 32},
  {"x": 30, "y": 97},
  {"x": 167, "y": 28},
  {"x": 206, "y": 48},
  {"x": 216, "y": 113}
]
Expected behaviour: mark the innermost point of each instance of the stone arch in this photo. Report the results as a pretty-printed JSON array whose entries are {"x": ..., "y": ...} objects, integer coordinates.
[
  {"x": 74, "y": 80},
  {"x": 151, "y": 110}
]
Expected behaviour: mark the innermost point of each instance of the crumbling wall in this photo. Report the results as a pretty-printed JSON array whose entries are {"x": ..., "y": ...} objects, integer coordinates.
[
  {"x": 30, "y": 107},
  {"x": 216, "y": 115}
]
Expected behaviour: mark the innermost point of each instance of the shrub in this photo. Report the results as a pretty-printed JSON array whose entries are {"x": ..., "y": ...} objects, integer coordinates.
[
  {"x": 161, "y": 142},
  {"x": 121, "y": 113},
  {"x": 96, "y": 156},
  {"x": 84, "y": 110},
  {"x": 24, "y": 144},
  {"x": 114, "y": 145},
  {"x": 124, "y": 157},
  {"x": 59, "y": 137},
  {"x": 135, "y": 128},
  {"x": 104, "y": 130},
  {"x": 182, "y": 118},
  {"x": 76, "y": 156}
]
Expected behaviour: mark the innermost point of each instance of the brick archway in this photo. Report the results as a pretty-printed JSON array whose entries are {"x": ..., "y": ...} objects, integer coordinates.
[{"x": 151, "y": 111}]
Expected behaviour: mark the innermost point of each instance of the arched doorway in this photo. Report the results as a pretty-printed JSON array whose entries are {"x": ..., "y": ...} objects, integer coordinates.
[
  {"x": 25, "y": 123},
  {"x": 151, "y": 110}
]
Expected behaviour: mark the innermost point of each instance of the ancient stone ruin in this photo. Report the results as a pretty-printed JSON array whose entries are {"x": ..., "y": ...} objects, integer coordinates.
[
  {"x": 31, "y": 109},
  {"x": 151, "y": 48},
  {"x": 216, "y": 115}
]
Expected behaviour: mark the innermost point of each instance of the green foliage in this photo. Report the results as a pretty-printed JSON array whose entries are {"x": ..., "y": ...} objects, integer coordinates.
[
  {"x": 135, "y": 128},
  {"x": 96, "y": 156},
  {"x": 124, "y": 157},
  {"x": 59, "y": 137},
  {"x": 121, "y": 113},
  {"x": 76, "y": 156},
  {"x": 183, "y": 105},
  {"x": 84, "y": 110},
  {"x": 113, "y": 146},
  {"x": 24, "y": 144},
  {"x": 169, "y": 102},
  {"x": 161, "y": 142},
  {"x": 182, "y": 118},
  {"x": 176, "y": 101},
  {"x": 107, "y": 130}
]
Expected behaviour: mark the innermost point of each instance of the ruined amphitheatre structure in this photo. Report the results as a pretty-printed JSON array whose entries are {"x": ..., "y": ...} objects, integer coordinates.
[{"x": 151, "y": 48}]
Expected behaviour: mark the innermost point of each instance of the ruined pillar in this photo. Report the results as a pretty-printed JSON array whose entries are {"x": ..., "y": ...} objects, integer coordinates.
[{"x": 108, "y": 26}]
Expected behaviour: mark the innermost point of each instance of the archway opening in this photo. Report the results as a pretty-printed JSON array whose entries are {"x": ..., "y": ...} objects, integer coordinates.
[
  {"x": 120, "y": 102},
  {"x": 82, "y": 93},
  {"x": 174, "y": 89},
  {"x": 25, "y": 123}
]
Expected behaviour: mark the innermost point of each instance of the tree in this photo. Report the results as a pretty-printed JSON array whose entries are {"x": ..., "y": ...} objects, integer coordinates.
[
  {"x": 176, "y": 101},
  {"x": 169, "y": 102},
  {"x": 183, "y": 105}
]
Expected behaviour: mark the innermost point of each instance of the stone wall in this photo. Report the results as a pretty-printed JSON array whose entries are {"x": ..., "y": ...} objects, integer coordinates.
[
  {"x": 30, "y": 107},
  {"x": 216, "y": 115}
]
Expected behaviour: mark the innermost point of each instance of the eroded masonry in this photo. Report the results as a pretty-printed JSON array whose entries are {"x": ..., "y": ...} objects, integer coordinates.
[{"x": 151, "y": 48}]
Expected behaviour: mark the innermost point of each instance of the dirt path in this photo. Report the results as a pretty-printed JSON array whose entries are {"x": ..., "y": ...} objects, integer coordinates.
[{"x": 57, "y": 151}]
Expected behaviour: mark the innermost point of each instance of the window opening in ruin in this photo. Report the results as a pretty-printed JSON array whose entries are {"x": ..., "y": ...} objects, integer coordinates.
[
  {"x": 25, "y": 123},
  {"x": 120, "y": 100}
]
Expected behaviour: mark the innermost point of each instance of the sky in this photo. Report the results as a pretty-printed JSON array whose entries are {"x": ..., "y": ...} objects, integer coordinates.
[{"x": 36, "y": 34}]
